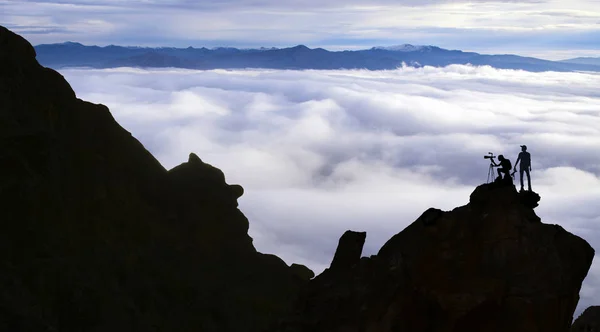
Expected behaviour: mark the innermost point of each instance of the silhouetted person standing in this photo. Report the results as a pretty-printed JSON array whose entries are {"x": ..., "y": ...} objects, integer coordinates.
[
  {"x": 504, "y": 165},
  {"x": 525, "y": 159}
]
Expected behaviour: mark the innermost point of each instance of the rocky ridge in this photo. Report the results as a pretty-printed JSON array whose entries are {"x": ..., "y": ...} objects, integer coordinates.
[{"x": 490, "y": 265}]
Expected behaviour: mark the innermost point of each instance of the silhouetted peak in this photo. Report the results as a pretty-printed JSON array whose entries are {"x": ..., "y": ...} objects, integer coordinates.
[
  {"x": 349, "y": 250},
  {"x": 15, "y": 47},
  {"x": 194, "y": 159},
  {"x": 196, "y": 181},
  {"x": 18, "y": 59},
  {"x": 195, "y": 170}
]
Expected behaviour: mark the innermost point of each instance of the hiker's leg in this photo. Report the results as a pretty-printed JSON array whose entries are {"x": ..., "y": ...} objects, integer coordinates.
[
  {"x": 521, "y": 175},
  {"x": 528, "y": 179}
]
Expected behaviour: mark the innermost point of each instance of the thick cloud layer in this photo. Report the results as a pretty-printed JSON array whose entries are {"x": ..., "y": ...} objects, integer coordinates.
[{"x": 320, "y": 152}]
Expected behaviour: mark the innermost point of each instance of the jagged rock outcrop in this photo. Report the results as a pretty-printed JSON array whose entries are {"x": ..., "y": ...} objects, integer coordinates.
[
  {"x": 95, "y": 235},
  {"x": 588, "y": 321},
  {"x": 349, "y": 250},
  {"x": 490, "y": 265}
]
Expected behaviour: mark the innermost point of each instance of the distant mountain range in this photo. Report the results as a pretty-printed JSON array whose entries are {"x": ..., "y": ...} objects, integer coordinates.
[
  {"x": 584, "y": 61},
  {"x": 72, "y": 54}
]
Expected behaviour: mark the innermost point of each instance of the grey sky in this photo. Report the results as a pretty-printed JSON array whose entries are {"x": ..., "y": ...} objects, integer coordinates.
[
  {"x": 547, "y": 28},
  {"x": 320, "y": 152}
]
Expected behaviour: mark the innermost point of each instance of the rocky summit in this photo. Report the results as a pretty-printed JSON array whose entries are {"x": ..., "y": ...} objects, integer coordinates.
[
  {"x": 96, "y": 235},
  {"x": 490, "y": 265}
]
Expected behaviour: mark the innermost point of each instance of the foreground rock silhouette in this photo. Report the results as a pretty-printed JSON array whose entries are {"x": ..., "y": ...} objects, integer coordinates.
[
  {"x": 588, "y": 321},
  {"x": 490, "y": 265},
  {"x": 95, "y": 235}
]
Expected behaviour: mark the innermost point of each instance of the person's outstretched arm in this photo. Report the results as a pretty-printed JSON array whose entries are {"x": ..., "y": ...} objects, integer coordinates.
[{"x": 516, "y": 163}]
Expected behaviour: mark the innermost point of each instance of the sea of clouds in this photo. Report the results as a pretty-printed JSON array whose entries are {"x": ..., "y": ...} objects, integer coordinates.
[{"x": 321, "y": 152}]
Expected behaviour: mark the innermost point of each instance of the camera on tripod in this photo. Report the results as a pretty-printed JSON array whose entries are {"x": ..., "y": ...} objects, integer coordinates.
[{"x": 489, "y": 156}]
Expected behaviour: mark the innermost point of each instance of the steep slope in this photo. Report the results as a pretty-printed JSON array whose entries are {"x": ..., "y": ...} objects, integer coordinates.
[
  {"x": 588, "y": 321},
  {"x": 490, "y": 265},
  {"x": 96, "y": 235}
]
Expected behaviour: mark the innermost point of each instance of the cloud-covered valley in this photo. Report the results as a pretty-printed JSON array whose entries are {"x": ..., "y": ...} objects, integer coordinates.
[{"x": 320, "y": 152}]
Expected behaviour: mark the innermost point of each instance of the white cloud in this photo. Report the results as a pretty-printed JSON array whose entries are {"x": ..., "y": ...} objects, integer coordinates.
[{"x": 320, "y": 152}]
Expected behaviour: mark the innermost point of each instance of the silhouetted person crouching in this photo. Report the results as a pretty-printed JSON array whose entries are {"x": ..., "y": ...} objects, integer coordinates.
[
  {"x": 505, "y": 167},
  {"x": 525, "y": 159}
]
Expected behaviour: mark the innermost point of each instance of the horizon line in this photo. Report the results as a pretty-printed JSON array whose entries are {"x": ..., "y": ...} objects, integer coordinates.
[{"x": 382, "y": 47}]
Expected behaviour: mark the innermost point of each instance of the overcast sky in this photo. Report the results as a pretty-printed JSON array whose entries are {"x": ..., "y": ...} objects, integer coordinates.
[
  {"x": 320, "y": 152},
  {"x": 552, "y": 29}
]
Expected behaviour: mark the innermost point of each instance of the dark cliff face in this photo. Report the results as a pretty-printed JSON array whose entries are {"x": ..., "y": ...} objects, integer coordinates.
[
  {"x": 588, "y": 321},
  {"x": 95, "y": 235},
  {"x": 488, "y": 266}
]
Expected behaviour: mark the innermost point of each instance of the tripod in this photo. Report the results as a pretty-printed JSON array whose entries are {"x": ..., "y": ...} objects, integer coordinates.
[{"x": 491, "y": 176}]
